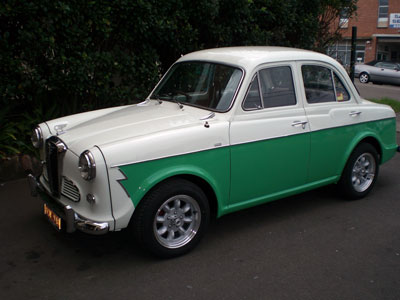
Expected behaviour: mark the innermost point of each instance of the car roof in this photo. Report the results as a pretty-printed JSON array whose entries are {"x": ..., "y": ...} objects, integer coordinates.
[{"x": 250, "y": 57}]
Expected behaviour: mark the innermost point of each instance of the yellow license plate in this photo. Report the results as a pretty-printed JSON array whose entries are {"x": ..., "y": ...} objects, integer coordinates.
[{"x": 53, "y": 218}]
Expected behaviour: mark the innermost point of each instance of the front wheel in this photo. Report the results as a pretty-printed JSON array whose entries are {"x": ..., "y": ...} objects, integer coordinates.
[
  {"x": 360, "y": 172},
  {"x": 364, "y": 78},
  {"x": 172, "y": 218}
]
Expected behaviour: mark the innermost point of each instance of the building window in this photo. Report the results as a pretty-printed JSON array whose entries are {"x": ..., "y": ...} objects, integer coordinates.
[
  {"x": 341, "y": 51},
  {"x": 383, "y": 12},
  {"x": 344, "y": 18}
]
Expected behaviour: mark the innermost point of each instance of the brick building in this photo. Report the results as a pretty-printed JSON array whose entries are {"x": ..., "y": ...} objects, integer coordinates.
[{"x": 378, "y": 32}]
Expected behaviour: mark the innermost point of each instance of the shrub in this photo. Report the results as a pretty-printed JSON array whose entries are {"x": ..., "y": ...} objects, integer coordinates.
[{"x": 59, "y": 57}]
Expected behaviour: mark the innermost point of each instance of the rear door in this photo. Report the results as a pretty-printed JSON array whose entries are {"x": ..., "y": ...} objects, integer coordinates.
[{"x": 331, "y": 112}]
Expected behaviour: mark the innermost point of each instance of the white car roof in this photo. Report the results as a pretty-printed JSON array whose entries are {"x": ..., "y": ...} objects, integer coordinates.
[{"x": 250, "y": 57}]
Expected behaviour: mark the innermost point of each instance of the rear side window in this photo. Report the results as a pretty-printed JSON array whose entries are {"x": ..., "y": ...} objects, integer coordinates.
[
  {"x": 321, "y": 85},
  {"x": 271, "y": 87}
]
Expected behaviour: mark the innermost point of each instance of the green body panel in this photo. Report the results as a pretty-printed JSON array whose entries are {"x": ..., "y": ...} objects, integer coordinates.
[
  {"x": 267, "y": 167},
  {"x": 330, "y": 148},
  {"x": 253, "y": 173},
  {"x": 211, "y": 165}
]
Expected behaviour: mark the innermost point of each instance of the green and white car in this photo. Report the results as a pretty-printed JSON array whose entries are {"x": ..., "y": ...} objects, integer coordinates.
[{"x": 225, "y": 129}]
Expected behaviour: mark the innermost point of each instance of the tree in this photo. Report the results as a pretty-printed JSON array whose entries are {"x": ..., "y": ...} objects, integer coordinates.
[
  {"x": 59, "y": 57},
  {"x": 329, "y": 25}
]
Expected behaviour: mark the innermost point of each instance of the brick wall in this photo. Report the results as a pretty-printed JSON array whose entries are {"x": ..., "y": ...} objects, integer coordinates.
[{"x": 367, "y": 19}]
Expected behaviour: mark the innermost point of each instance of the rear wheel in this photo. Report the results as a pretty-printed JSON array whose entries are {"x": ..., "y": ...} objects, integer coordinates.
[
  {"x": 364, "y": 77},
  {"x": 172, "y": 218},
  {"x": 360, "y": 172}
]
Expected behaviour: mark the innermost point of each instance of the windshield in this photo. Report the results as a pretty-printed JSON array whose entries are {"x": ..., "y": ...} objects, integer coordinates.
[{"x": 203, "y": 84}]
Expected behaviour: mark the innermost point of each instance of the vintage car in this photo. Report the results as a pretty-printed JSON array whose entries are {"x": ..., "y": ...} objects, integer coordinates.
[
  {"x": 378, "y": 72},
  {"x": 225, "y": 129}
]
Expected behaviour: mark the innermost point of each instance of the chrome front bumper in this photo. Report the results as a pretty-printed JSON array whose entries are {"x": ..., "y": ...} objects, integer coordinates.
[{"x": 71, "y": 219}]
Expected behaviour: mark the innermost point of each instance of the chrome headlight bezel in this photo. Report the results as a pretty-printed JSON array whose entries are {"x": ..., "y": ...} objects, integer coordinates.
[
  {"x": 37, "y": 137},
  {"x": 87, "y": 165}
]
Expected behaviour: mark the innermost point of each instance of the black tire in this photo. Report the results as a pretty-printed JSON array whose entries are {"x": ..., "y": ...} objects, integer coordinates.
[
  {"x": 360, "y": 173},
  {"x": 364, "y": 77},
  {"x": 170, "y": 206}
]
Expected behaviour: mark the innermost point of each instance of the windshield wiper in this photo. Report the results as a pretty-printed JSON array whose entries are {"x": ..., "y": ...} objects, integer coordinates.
[
  {"x": 167, "y": 97},
  {"x": 177, "y": 102}
]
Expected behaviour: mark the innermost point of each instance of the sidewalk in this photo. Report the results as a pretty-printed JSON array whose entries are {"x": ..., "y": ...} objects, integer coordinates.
[{"x": 398, "y": 122}]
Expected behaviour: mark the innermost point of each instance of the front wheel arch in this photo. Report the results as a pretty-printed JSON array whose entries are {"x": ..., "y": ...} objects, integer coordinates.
[{"x": 146, "y": 217}]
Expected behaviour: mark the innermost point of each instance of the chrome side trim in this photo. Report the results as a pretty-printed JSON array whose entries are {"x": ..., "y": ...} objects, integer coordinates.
[{"x": 244, "y": 142}]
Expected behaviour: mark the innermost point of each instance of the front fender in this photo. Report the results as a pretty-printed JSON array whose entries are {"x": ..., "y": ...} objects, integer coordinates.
[{"x": 212, "y": 166}]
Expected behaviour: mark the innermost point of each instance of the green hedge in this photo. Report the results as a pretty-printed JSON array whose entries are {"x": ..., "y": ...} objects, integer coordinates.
[{"x": 67, "y": 56}]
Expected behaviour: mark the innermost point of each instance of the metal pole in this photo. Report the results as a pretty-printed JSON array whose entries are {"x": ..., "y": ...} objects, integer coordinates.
[{"x": 353, "y": 52}]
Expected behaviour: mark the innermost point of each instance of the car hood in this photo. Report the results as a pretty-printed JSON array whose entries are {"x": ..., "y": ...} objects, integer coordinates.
[{"x": 96, "y": 128}]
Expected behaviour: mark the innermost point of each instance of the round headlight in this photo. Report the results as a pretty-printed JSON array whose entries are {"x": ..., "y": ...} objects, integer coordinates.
[
  {"x": 37, "y": 137},
  {"x": 87, "y": 166}
]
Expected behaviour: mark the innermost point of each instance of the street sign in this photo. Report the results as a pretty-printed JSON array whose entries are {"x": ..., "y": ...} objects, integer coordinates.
[{"x": 394, "y": 20}]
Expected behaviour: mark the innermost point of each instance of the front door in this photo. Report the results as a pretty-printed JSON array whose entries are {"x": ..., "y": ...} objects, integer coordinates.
[{"x": 270, "y": 139}]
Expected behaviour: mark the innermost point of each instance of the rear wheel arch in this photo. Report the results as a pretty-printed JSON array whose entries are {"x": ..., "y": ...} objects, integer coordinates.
[
  {"x": 373, "y": 141},
  {"x": 360, "y": 172}
]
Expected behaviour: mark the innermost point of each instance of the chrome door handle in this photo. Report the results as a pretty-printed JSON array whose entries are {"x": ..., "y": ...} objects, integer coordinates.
[
  {"x": 298, "y": 123},
  {"x": 354, "y": 113}
]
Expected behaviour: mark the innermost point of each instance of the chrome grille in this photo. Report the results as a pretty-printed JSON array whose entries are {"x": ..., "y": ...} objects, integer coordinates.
[
  {"x": 70, "y": 190},
  {"x": 52, "y": 166},
  {"x": 54, "y": 147}
]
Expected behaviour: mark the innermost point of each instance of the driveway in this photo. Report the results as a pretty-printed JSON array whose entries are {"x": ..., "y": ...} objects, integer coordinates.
[
  {"x": 377, "y": 91},
  {"x": 311, "y": 246}
]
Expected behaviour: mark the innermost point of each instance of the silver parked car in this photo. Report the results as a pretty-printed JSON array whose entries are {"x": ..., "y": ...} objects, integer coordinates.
[{"x": 378, "y": 72}]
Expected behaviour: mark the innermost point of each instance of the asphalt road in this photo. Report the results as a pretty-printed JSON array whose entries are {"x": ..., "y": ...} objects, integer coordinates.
[
  {"x": 311, "y": 246},
  {"x": 377, "y": 91}
]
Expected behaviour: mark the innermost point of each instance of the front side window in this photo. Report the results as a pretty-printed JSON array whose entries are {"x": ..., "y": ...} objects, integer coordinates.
[
  {"x": 203, "y": 84},
  {"x": 271, "y": 87},
  {"x": 277, "y": 87},
  {"x": 321, "y": 84},
  {"x": 253, "y": 98}
]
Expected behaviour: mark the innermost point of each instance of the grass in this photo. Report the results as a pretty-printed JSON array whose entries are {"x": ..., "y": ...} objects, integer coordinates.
[{"x": 395, "y": 104}]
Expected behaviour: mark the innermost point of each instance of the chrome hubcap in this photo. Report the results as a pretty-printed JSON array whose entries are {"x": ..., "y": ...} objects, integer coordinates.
[
  {"x": 177, "y": 221},
  {"x": 364, "y": 78},
  {"x": 363, "y": 172}
]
